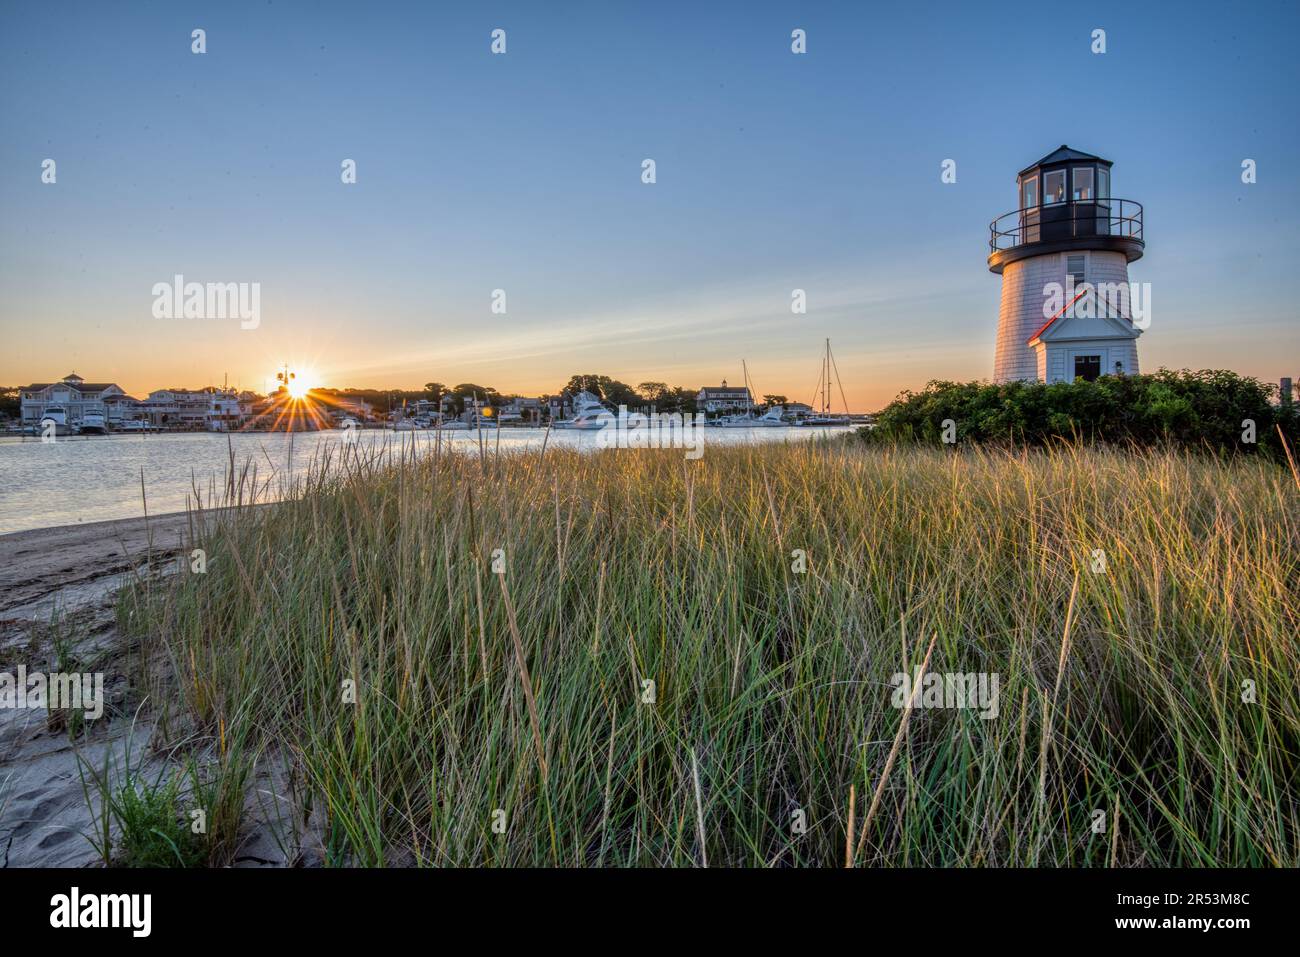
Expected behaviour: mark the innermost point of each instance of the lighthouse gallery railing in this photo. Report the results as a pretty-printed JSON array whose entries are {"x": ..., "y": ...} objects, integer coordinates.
[{"x": 1075, "y": 219}]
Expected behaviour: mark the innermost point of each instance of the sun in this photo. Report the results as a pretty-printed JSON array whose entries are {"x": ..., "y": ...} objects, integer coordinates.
[{"x": 296, "y": 383}]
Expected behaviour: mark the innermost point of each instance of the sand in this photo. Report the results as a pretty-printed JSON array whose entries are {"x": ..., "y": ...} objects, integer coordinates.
[{"x": 47, "y": 819}]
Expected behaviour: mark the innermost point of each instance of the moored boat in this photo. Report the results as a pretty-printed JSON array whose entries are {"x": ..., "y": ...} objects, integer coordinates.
[
  {"x": 54, "y": 420},
  {"x": 93, "y": 423},
  {"x": 588, "y": 414},
  {"x": 824, "y": 420},
  {"x": 772, "y": 418}
]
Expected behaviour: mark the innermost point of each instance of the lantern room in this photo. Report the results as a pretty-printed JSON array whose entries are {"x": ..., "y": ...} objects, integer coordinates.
[{"x": 1064, "y": 202}]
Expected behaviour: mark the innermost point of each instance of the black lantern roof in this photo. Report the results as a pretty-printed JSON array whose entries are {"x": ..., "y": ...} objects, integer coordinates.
[{"x": 1064, "y": 154}]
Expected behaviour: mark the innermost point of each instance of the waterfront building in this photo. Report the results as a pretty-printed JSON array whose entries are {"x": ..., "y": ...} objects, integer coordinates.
[
  {"x": 197, "y": 409},
  {"x": 121, "y": 408},
  {"x": 520, "y": 409},
  {"x": 723, "y": 398},
  {"x": 72, "y": 393},
  {"x": 176, "y": 408}
]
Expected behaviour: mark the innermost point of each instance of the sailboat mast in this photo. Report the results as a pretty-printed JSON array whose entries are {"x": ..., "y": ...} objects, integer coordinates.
[{"x": 826, "y": 382}]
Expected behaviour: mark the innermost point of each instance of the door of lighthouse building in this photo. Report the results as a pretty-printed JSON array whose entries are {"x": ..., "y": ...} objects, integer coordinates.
[{"x": 1087, "y": 366}]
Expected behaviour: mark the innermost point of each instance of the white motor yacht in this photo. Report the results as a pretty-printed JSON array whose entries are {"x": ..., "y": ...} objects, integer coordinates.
[
  {"x": 55, "y": 416},
  {"x": 93, "y": 423},
  {"x": 588, "y": 414},
  {"x": 768, "y": 420}
]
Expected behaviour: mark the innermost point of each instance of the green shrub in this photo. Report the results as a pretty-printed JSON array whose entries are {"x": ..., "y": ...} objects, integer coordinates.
[{"x": 1194, "y": 410}]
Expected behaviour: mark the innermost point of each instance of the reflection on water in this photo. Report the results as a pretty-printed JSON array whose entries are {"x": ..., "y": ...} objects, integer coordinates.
[{"x": 95, "y": 478}]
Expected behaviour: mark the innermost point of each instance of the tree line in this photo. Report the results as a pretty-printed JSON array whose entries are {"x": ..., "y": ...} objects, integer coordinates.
[{"x": 657, "y": 395}]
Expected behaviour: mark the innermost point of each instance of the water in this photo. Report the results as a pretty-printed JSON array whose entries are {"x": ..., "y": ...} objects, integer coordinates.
[{"x": 95, "y": 478}]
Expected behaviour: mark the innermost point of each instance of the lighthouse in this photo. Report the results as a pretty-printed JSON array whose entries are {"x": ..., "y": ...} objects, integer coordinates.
[{"x": 1063, "y": 256}]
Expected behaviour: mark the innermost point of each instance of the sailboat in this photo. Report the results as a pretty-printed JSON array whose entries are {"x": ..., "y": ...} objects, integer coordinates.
[
  {"x": 770, "y": 419},
  {"x": 825, "y": 417}
]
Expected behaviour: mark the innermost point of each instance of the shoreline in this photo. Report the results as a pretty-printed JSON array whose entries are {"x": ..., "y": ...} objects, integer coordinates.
[
  {"x": 72, "y": 573},
  {"x": 67, "y": 573},
  {"x": 37, "y": 566}
]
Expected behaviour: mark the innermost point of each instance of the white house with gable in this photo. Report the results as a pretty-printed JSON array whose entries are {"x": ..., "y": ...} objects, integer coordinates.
[{"x": 72, "y": 393}]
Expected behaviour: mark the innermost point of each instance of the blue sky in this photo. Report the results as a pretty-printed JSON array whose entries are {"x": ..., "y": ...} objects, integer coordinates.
[{"x": 522, "y": 172}]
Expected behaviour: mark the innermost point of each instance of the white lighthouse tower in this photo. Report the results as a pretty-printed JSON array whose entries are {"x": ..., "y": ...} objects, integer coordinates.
[{"x": 1068, "y": 231}]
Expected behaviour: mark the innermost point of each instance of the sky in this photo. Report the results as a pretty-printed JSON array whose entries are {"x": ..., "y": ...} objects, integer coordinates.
[{"x": 522, "y": 172}]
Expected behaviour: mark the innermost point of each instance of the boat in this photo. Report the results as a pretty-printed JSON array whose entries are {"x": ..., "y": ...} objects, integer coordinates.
[
  {"x": 92, "y": 423},
  {"x": 55, "y": 417},
  {"x": 825, "y": 417},
  {"x": 734, "y": 422},
  {"x": 824, "y": 420},
  {"x": 590, "y": 420},
  {"x": 772, "y": 418},
  {"x": 588, "y": 414}
]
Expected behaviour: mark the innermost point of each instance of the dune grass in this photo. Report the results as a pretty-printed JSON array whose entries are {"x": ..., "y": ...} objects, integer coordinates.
[{"x": 437, "y": 712}]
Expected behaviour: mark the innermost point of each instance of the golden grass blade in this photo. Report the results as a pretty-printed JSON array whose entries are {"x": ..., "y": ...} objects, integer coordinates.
[
  {"x": 893, "y": 751},
  {"x": 525, "y": 679}
]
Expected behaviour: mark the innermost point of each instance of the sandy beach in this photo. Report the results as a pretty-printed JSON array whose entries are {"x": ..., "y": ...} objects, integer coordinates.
[
  {"x": 72, "y": 570},
  {"x": 71, "y": 574},
  {"x": 76, "y": 564}
]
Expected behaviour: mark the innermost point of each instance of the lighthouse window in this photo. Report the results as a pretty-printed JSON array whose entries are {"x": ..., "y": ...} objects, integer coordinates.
[
  {"x": 1054, "y": 187},
  {"x": 1029, "y": 193},
  {"x": 1082, "y": 183},
  {"x": 1103, "y": 183}
]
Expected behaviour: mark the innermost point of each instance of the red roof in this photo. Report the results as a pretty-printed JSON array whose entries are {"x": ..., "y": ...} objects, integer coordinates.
[{"x": 1044, "y": 327}]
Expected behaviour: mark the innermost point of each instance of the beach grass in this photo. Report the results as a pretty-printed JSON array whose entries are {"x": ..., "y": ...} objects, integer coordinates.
[{"x": 685, "y": 663}]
